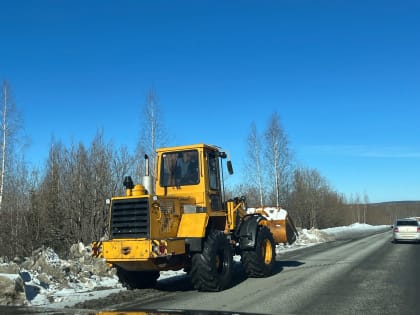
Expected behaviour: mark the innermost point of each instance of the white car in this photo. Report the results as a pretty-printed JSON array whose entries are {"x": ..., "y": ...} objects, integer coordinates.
[{"x": 406, "y": 230}]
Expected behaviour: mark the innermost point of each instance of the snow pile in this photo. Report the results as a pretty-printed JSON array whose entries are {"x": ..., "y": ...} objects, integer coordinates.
[
  {"x": 355, "y": 227},
  {"x": 306, "y": 238},
  {"x": 44, "y": 277},
  {"x": 11, "y": 289},
  {"x": 313, "y": 236}
]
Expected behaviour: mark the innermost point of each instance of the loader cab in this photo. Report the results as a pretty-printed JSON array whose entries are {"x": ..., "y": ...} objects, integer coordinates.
[{"x": 192, "y": 172}]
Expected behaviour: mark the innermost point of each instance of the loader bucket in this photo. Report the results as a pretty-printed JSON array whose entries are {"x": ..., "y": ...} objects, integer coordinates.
[{"x": 280, "y": 224}]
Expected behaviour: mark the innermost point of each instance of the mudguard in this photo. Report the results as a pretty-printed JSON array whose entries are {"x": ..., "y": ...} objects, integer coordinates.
[{"x": 247, "y": 231}]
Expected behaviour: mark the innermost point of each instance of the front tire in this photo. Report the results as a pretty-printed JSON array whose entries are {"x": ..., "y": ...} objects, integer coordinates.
[
  {"x": 212, "y": 268},
  {"x": 260, "y": 262}
]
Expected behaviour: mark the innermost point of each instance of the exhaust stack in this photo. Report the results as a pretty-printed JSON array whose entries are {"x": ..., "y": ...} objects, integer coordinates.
[{"x": 147, "y": 178}]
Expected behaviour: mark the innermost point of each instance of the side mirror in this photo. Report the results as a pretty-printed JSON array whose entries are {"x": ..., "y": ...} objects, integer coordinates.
[{"x": 229, "y": 167}]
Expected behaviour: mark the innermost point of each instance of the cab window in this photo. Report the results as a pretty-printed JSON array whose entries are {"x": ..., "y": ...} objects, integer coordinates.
[
  {"x": 213, "y": 171},
  {"x": 179, "y": 168}
]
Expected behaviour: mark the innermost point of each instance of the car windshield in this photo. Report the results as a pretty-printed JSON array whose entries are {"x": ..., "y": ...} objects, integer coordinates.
[{"x": 407, "y": 222}]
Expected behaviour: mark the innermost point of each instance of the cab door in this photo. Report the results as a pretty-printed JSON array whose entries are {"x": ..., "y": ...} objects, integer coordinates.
[{"x": 213, "y": 178}]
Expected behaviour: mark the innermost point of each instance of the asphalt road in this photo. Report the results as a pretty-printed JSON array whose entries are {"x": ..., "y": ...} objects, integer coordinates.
[{"x": 368, "y": 275}]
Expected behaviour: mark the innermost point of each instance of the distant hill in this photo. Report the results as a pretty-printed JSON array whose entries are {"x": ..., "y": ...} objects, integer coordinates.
[
  {"x": 388, "y": 212},
  {"x": 406, "y": 202}
]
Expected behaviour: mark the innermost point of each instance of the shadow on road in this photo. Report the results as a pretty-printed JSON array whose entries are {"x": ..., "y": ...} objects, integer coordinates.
[
  {"x": 183, "y": 282},
  {"x": 175, "y": 283},
  {"x": 290, "y": 263}
]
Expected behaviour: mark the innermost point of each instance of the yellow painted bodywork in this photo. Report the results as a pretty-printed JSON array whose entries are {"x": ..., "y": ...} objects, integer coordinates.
[
  {"x": 193, "y": 225},
  {"x": 234, "y": 212},
  {"x": 138, "y": 249},
  {"x": 138, "y": 254}
]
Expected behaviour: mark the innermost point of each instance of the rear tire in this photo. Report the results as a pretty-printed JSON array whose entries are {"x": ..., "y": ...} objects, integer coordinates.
[
  {"x": 137, "y": 279},
  {"x": 260, "y": 262},
  {"x": 212, "y": 268}
]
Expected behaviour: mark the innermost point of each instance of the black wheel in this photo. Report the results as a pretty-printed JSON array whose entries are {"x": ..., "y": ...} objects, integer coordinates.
[
  {"x": 137, "y": 279},
  {"x": 212, "y": 269},
  {"x": 260, "y": 261}
]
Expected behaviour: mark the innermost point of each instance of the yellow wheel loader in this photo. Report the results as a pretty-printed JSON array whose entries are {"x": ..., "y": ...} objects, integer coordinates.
[{"x": 180, "y": 220}]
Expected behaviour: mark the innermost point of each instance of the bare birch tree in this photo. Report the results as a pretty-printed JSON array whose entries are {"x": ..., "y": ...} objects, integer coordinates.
[
  {"x": 279, "y": 159},
  {"x": 14, "y": 188},
  {"x": 253, "y": 163},
  {"x": 9, "y": 126},
  {"x": 153, "y": 133},
  {"x": 365, "y": 206},
  {"x": 4, "y": 129}
]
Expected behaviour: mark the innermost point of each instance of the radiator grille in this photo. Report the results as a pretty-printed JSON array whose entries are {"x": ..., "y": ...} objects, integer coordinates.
[{"x": 130, "y": 218}]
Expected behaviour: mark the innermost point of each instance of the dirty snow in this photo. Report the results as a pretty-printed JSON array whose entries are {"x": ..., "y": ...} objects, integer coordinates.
[{"x": 47, "y": 280}]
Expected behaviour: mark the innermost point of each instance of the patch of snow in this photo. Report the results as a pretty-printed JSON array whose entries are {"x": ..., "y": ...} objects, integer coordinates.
[{"x": 271, "y": 213}]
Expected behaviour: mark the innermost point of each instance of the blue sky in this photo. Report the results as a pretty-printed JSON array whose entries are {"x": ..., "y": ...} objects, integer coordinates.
[{"x": 344, "y": 77}]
